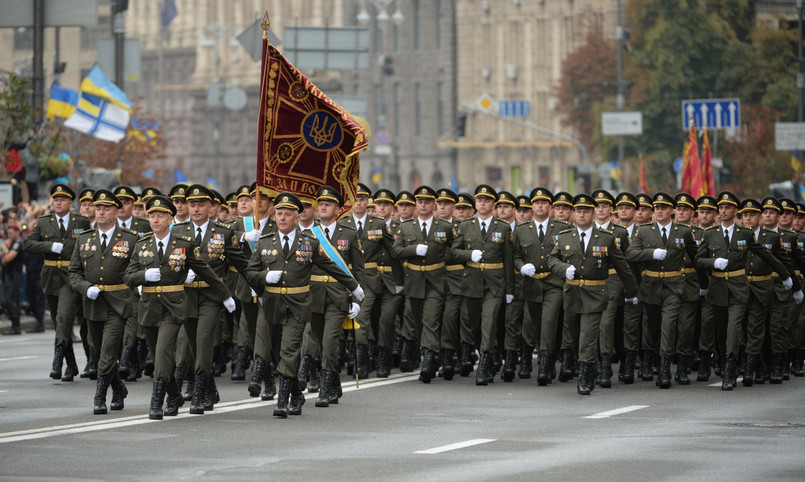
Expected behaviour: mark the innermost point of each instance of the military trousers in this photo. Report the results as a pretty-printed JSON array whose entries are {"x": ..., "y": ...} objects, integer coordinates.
[
  {"x": 729, "y": 328},
  {"x": 107, "y": 334},
  {"x": 665, "y": 317},
  {"x": 483, "y": 313},
  {"x": 132, "y": 328},
  {"x": 545, "y": 317},
  {"x": 161, "y": 341},
  {"x": 265, "y": 347},
  {"x": 570, "y": 332},
  {"x": 798, "y": 328},
  {"x": 451, "y": 322},
  {"x": 513, "y": 327},
  {"x": 64, "y": 308},
  {"x": 425, "y": 313},
  {"x": 584, "y": 327},
  {"x": 756, "y": 317},
  {"x": 688, "y": 320},
  {"x": 389, "y": 303},
  {"x": 469, "y": 333},
  {"x": 707, "y": 333},
  {"x": 778, "y": 327},
  {"x": 607, "y": 325},
  {"x": 286, "y": 339},
  {"x": 248, "y": 324},
  {"x": 327, "y": 329},
  {"x": 201, "y": 334},
  {"x": 633, "y": 326},
  {"x": 310, "y": 345},
  {"x": 12, "y": 283}
]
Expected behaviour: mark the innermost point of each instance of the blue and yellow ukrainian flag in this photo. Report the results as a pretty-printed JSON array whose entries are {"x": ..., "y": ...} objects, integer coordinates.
[
  {"x": 62, "y": 102},
  {"x": 97, "y": 84}
]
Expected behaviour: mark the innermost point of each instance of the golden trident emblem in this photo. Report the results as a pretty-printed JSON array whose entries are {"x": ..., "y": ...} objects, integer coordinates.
[{"x": 322, "y": 135}]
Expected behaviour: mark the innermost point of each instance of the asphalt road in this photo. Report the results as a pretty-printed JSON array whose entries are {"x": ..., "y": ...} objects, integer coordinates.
[{"x": 400, "y": 429}]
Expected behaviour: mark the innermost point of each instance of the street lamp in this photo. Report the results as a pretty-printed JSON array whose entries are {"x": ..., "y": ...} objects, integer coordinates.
[{"x": 213, "y": 35}]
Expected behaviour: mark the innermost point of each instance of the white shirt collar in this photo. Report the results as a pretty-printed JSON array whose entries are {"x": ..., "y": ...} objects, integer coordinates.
[
  {"x": 361, "y": 220},
  {"x": 65, "y": 218},
  {"x": 330, "y": 227},
  {"x": 544, "y": 225},
  {"x": 125, "y": 223},
  {"x": 667, "y": 227},
  {"x": 163, "y": 240},
  {"x": 728, "y": 230},
  {"x": 302, "y": 228},
  {"x": 587, "y": 235},
  {"x": 757, "y": 232},
  {"x": 427, "y": 222},
  {"x": 291, "y": 237},
  {"x": 203, "y": 228},
  {"x": 602, "y": 226},
  {"x": 488, "y": 220},
  {"x": 263, "y": 222},
  {"x": 108, "y": 234}
]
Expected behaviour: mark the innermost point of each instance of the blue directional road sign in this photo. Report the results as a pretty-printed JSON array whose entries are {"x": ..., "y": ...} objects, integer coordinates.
[
  {"x": 711, "y": 113},
  {"x": 514, "y": 108}
]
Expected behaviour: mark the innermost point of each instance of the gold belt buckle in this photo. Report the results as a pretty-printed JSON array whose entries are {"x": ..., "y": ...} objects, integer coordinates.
[
  {"x": 581, "y": 282},
  {"x": 325, "y": 278},
  {"x": 58, "y": 264},
  {"x": 726, "y": 275},
  {"x": 661, "y": 274},
  {"x": 483, "y": 265},
  {"x": 422, "y": 268},
  {"x": 100, "y": 287},
  {"x": 158, "y": 289},
  {"x": 283, "y": 290}
]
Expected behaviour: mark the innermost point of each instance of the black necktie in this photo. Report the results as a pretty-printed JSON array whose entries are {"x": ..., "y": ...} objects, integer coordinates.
[
  {"x": 123, "y": 225},
  {"x": 664, "y": 237},
  {"x": 581, "y": 236},
  {"x": 727, "y": 237},
  {"x": 425, "y": 230},
  {"x": 541, "y": 234},
  {"x": 360, "y": 228},
  {"x": 62, "y": 230},
  {"x": 285, "y": 247},
  {"x": 483, "y": 228},
  {"x": 103, "y": 242},
  {"x": 161, "y": 250},
  {"x": 198, "y": 236},
  {"x": 326, "y": 233}
]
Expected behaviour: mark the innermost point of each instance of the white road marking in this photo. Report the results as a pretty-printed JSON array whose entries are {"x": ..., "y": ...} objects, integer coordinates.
[
  {"x": 617, "y": 411},
  {"x": 456, "y": 446},
  {"x": 224, "y": 407},
  {"x": 27, "y": 357},
  {"x": 718, "y": 384}
]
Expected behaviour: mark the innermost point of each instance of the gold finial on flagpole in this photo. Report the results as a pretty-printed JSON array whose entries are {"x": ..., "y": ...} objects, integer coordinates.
[{"x": 266, "y": 24}]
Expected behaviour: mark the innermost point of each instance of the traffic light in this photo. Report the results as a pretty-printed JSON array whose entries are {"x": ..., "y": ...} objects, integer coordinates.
[{"x": 461, "y": 124}]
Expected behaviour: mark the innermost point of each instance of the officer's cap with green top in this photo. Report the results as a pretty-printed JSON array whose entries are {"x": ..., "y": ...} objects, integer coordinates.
[
  {"x": 198, "y": 192},
  {"x": 626, "y": 198},
  {"x": 328, "y": 193},
  {"x": 541, "y": 193},
  {"x": 663, "y": 199},
  {"x": 288, "y": 200},
  {"x": 685, "y": 199},
  {"x": 85, "y": 195},
  {"x": 563, "y": 198},
  {"x": 105, "y": 197},
  {"x": 584, "y": 201},
  {"x": 465, "y": 200},
  {"x": 62, "y": 190},
  {"x": 485, "y": 190},
  {"x": 160, "y": 203}
]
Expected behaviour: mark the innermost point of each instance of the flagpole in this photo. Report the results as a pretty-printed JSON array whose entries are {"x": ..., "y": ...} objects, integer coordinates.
[{"x": 266, "y": 24}]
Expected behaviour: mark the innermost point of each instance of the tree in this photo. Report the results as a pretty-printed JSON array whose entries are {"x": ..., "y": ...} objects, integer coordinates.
[{"x": 16, "y": 112}]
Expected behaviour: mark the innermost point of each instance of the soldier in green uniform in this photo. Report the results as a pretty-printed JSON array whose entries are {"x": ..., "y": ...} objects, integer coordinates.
[
  {"x": 627, "y": 205},
  {"x": 509, "y": 322},
  {"x": 785, "y": 225},
  {"x": 583, "y": 255},
  {"x": 723, "y": 251},
  {"x": 96, "y": 273},
  {"x": 542, "y": 289},
  {"x": 177, "y": 195},
  {"x": 87, "y": 208},
  {"x": 217, "y": 244},
  {"x": 797, "y": 335},
  {"x": 450, "y": 337},
  {"x": 85, "y": 205},
  {"x": 707, "y": 209},
  {"x": 160, "y": 265},
  {"x": 661, "y": 248},
  {"x": 54, "y": 236},
  {"x": 283, "y": 262},
  {"x": 483, "y": 244}
]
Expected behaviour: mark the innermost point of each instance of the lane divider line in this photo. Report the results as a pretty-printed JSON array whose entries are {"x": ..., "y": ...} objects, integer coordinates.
[
  {"x": 617, "y": 411},
  {"x": 455, "y": 446}
]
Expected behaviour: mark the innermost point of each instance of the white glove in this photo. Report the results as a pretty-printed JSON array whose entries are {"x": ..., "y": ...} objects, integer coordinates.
[
  {"x": 798, "y": 297},
  {"x": 476, "y": 255},
  {"x": 254, "y": 293},
  {"x": 354, "y": 309},
  {"x": 720, "y": 264},
  {"x": 273, "y": 277},
  {"x": 252, "y": 236},
  {"x": 633, "y": 301},
  {"x": 659, "y": 254},
  {"x": 57, "y": 248},
  {"x": 421, "y": 249},
  {"x": 509, "y": 299},
  {"x": 358, "y": 293},
  {"x": 702, "y": 292},
  {"x": 153, "y": 275},
  {"x": 140, "y": 290},
  {"x": 528, "y": 270},
  {"x": 229, "y": 304},
  {"x": 570, "y": 272},
  {"x": 399, "y": 289},
  {"x": 191, "y": 276},
  {"x": 787, "y": 283},
  {"x": 93, "y": 292}
]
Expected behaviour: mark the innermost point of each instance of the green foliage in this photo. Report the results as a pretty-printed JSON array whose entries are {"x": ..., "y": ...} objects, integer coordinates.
[{"x": 16, "y": 112}]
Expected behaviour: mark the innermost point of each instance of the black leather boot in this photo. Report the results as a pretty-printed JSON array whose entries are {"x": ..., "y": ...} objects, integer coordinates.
[
  {"x": 191, "y": 383},
  {"x": 628, "y": 367},
  {"x": 749, "y": 370},
  {"x": 297, "y": 399},
  {"x": 315, "y": 381},
  {"x": 526, "y": 362},
  {"x": 776, "y": 376},
  {"x": 119, "y": 393},
  {"x": 269, "y": 388},
  {"x": 72, "y": 367},
  {"x": 363, "y": 362},
  {"x": 179, "y": 375},
  {"x": 605, "y": 374},
  {"x": 303, "y": 375},
  {"x": 447, "y": 364},
  {"x": 135, "y": 369},
  {"x": 798, "y": 363},
  {"x": 350, "y": 361},
  {"x": 717, "y": 363},
  {"x": 197, "y": 400},
  {"x": 428, "y": 366},
  {"x": 509, "y": 366},
  {"x": 645, "y": 366},
  {"x": 257, "y": 377},
  {"x": 372, "y": 356},
  {"x": 682, "y": 369},
  {"x": 124, "y": 368},
  {"x": 218, "y": 363},
  {"x": 327, "y": 378},
  {"x": 703, "y": 374},
  {"x": 583, "y": 384},
  {"x": 281, "y": 410},
  {"x": 786, "y": 366},
  {"x": 239, "y": 367},
  {"x": 664, "y": 378},
  {"x": 157, "y": 397},
  {"x": 396, "y": 351},
  {"x": 92, "y": 365},
  {"x": 567, "y": 370},
  {"x": 148, "y": 367},
  {"x": 174, "y": 399},
  {"x": 58, "y": 359},
  {"x": 335, "y": 391},
  {"x": 543, "y": 369},
  {"x": 466, "y": 359},
  {"x": 211, "y": 395},
  {"x": 727, "y": 380},
  {"x": 383, "y": 362},
  {"x": 406, "y": 363},
  {"x": 480, "y": 370},
  {"x": 760, "y": 371},
  {"x": 100, "y": 395}
]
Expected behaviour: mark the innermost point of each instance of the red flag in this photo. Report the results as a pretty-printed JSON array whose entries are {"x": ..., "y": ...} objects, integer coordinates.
[
  {"x": 642, "y": 185},
  {"x": 691, "y": 173},
  {"x": 305, "y": 139},
  {"x": 708, "y": 186}
]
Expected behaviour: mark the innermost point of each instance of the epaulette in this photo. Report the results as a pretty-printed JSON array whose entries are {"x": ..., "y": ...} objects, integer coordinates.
[
  {"x": 183, "y": 223},
  {"x": 146, "y": 237},
  {"x": 743, "y": 228},
  {"x": 715, "y": 226},
  {"x": 87, "y": 231},
  {"x": 127, "y": 230},
  {"x": 221, "y": 224},
  {"x": 353, "y": 228},
  {"x": 524, "y": 223},
  {"x": 185, "y": 238},
  {"x": 786, "y": 230},
  {"x": 567, "y": 230},
  {"x": 79, "y": 216},
  {"x": 614, "y": 224},
  {"x": 684, "y": 225},
  {"x": 378, "y": 218},
  {"x": 400, "y": 223},
  {"x": 646, "y": 224},
  {"x": 44, "y": 216},
  {"x": 269, "y": 235},
  {"x": 607, "y": 231}
]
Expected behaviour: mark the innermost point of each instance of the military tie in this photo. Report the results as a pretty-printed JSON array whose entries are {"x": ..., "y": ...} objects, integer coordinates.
[
  {"x": 360, "y": 228},
  {"x": 62, "y": 230},
  {"x": 103, "y": 242},
  {"x": 285, "y": 247},
  {"x": 541, "y": 234},
  {"x": 664, "y": 237},
  {"x": 326, "y": 233},
  {"x": 727, "y": 237},
  {"x": 581, "y": 237},
  {"x": 483, "y": 228},
  {"x": 123, "y": 224},
  {"x": 425, "y": 230},
  {"x": 161, "y": 250},
  {"x": 198, "y": 236}
]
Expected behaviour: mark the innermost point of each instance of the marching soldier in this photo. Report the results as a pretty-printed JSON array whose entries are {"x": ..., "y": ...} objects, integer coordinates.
[
  {"x": 465, "y": 206},
  {"x": 177, "y": 195},
  {"x": 85, "y": 205},
  {"x": 450, "y": 337},
  {"x": 627, "y": 206},
  {"x": 562, "y": 207},
  {"x": 583, "y": 256},
  {"x": 283, "y": 262},
  {"x": 723, "y": 251},
  {"x": 404, "y": 208},
  {"x": 509, "y": 326},
  {"x": 542, "y": 290},
  {"x": 160, "y": 264},
  {"x": 96, "y": 273},
  {"x": 707, "y": 209},
  {"x": 55, "y": 236},
  {"x": 797, "y": 336}
]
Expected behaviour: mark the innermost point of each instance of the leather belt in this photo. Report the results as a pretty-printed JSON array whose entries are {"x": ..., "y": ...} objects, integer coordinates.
[
  {"x": 59, "y": 263},
  {"x": 287, "y": 291},
  {"x": 454, "y": 267},
  {"x": 797, "y": 272},
  {"x": 586, "y": 282},
  {"x": 484, "y": 266},
  {"x": 612, "y": 271},
  {"x": 381, "y": 268},
  {"x": 662, "y": 274},
  {"x": 119, "y": 287},
  {"x": 323, "y": 278},
  {"x": 163, "y": 289},
  {"x": 197, "y": 284},
  {"x": 729, "y": 274},
  {"x": 688, "y": 270},
  {"x": 232, "y": 268},
  {"x": 542, "y": 275},
  {"x": 757, "y": 279},
  {"x": 423, "y": 267}
]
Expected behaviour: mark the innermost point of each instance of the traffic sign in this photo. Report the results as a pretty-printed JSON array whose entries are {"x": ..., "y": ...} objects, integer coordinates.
[
  {"x": 383, "y": 138},
  {"x": 514, "y": 108},
  {"x": 621, "y": 123},
  {"x": 789, "y": 136},
  {"x": 486, "y": 103},
  {"x": 711, "y": 113}
]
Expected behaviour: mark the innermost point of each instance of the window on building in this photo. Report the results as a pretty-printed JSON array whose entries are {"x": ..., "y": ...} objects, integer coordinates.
[
  {"x": 396, "y": 38},
  {"x": 440, "y": 14},
  {"x": 378, "y": 43},
  {"x": 416, "y": 24},
  {"x": 23, "y": 38}
]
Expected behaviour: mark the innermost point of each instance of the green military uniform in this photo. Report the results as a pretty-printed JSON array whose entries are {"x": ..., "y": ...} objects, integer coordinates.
[
  {"x": 49, "y": 232},
  {"x": 450, "y": 338},
  {"x": 783, "y": 313},
  {"x": 542, "y": 289},
  {"x": 96, "y": 273},
  {"x": 707, "y": 337},
  {"x": 797, "y": 314},
  {"x": 585, "y": 295}
]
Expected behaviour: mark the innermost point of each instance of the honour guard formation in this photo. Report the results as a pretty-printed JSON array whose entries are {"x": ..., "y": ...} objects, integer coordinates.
[{"x": 278, "y": 290}]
